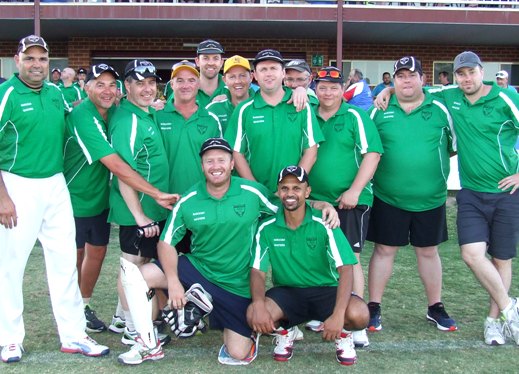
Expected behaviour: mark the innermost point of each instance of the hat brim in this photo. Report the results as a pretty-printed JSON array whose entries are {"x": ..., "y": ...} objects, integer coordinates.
[
  {"x": 268, "y": 58},
  {"x": 184, "y": 67},
  {"x": 466, "y": 65},
  {"x": 210, "y": 51}
]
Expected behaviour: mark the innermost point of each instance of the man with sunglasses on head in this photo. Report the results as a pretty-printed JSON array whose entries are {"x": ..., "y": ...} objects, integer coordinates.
[
  {"x": 136, "y": 137},
  {"x": 35, "y": 204},
  {"x": 89, "y": 158}
]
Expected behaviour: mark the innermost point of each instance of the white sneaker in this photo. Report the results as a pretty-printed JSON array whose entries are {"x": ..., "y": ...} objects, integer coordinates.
[
  {"x": 345, "y": 350},
  {"x": 512, "y": 320},
  {"x": 284, "y": 340},
  {"x": 117, "y": 326},
  {"x": 86, "y": 346},
  {"x": 139, "y": 353},
  {"x": 360, "y": 338},
  {"x": 314, "y": 325},
  {"x": 12, "y": 353},
  {"x": 494, "y": 332},
  {"x": 298, "y": 334},
  {"x": 129, "y": 337}
]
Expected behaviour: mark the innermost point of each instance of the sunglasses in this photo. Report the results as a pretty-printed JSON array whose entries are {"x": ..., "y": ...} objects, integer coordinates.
[
  {"x": 329, "y": 73},
  {"x": 142, "y": 70}
]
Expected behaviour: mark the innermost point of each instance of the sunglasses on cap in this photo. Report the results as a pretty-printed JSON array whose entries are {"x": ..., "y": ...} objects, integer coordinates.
[
  {"x": 329, "y": 73},
  {"x": 142, "y": 70}
]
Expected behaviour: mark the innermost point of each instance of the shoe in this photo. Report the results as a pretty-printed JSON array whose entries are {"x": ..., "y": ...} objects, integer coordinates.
[
  {"x": 494, "y": 332},
  {"x": 436, "y": 313},
  {"x": 375, "y": 317},
  {"x": 94, "y": 324},
  {"x": 360, "y": 338},
  {"x": 129, "y": 337},
  {"x": 512, "y": 320},
  {"x": 86, "y": 346},
  {"x": 284, "y": 340},
  {"x": 117, "y": 326},
  {"x": 345, "y": 350},
  {"x": 12, "y": 353},
  {"x": 314, "y": 325},
  {"x": 139, "y": 353},
  {"x": 225, "y": 358},
  {"x": 298, "y": 334}
]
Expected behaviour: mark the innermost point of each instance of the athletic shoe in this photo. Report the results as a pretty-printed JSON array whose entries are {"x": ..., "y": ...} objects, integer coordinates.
[
  {"x": 345, "y": 350},
  {"x": 314, "y": 325},
  {"x": 360, "y": 338},
  {"x": 129, "y": 337},
  {"x": 284, "y": 340},
  {"x": 512, "y": 320},
  {"x": 225, "y": 358},
  {"x": 86, "y": 346},
  {"x": 94, "y": 324},
  {"x": 117, "y": 326},
  {"x": 12, "y": 353},
  {"x": 375, "y": 317},
  {"x": 298, "y": 334},
  {"x": 139, "y": 352},
  {"x": 494, "y": 332},
  {"x": 436, "y": 313}
]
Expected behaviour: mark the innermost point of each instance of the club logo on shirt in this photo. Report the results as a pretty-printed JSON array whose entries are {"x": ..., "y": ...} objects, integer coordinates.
[
  {"x": 487, "y": 110},
  {"x": 338, "y": 127},
  {"x": 57, "y": 103},
  {"x": 311, "y": 242},
  {"x": 201, "y": 128},
  {"x": 426, "y": 115},
  {"x": 292, "y": 117},
  {"x": 239, "y": 210}
]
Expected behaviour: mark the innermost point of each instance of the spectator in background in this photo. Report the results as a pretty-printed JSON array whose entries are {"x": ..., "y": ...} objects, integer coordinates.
[
  {"x": 386, "y": 82},
  {"x": 502, "y": 81},
  {"x": 55, "y": 77},
  {"x": 357, "y": 90},
  {"x": 443, "y": 76}
]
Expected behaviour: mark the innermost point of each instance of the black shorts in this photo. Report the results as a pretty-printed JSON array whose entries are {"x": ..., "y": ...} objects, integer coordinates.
[
  {"x": 133, "y": 245},
  {"x": 354, "y": 225},
  {"x": 492, "y": 218},
  {"x": 229, "y": 310},
  {"x": 303, "y": 304},
  {"x": 392, "y": 226},
  {"x": 92, "y": 230}
]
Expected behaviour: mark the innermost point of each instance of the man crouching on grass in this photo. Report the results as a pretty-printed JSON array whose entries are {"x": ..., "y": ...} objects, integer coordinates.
[{"x": 312, "y": 274}]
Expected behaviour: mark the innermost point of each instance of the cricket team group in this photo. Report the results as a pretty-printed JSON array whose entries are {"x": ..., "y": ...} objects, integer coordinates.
[{"x": 245, "y": 207}]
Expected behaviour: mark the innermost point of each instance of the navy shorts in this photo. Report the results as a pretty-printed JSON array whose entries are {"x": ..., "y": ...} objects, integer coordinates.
[
  {"x": 130, "y": 243},
  {"x": 392, "y": 226},
  {"x": 229, "y": 310},
  {"x": 492, "y": 218},
  {"x": 303, "y": 304},
  {"x": 92, "y": 230},
  {"x": 354, "y": 225}
]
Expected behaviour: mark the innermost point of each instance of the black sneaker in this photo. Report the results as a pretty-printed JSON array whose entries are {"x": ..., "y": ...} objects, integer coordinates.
[
  {"x": 375, "y": 317},
  {"x": 94, "y": 324},
  {"x": 436, "y": 313}
]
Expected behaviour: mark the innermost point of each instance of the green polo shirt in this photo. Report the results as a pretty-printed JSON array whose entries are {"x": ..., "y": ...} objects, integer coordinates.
[
  {"x": 223, "y": 230},
  {"x": 32, "y": 128},
  {"x": 183, "y": 139},
  {"x": 224, "y": 108},
  {"x": 203, "y": 99},
  {"x": 136, "y": 138},
  {"x": 86, "y": 143},
  {"x": 486, "y": 133},
  {"x": 305, "y": 257},
  {"x": 412, "y": 174},
  {"x": 350, "y": 134},
  {"x": 272, "y": 137},
  {"x": 72, "y": 94}
]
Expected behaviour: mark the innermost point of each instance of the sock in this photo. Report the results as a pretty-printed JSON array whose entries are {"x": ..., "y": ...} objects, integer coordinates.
[
  {"x": 491, "y": 319},
  {"x": 86, "y": 300},
  {"x": 129, "y": 321},
  {"x": 119, "y": 312}
]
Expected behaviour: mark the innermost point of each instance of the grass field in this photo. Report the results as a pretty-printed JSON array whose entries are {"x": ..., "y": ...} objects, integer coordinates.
[{"x": 407, "y": 344}]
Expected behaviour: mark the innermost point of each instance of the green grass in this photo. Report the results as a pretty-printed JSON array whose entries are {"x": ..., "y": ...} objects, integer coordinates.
[{"x": 408, "y": 344}]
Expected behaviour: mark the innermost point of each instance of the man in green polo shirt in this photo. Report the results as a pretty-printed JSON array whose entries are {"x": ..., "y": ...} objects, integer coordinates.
[
  {"x": 72, "y": 93},
  {"x": 410, "y": 187},
  {"x": 89, "y": 158},
  {"x": 35, "y": 203},
  {"x": 136, "y": 138},
  {"x": 351, "y": 137},
  {"x": 210, "y": 61},
  {"x": 267, "y": 133},
  {"x": 299, "y": 74},
  {"x": 312, "y": 274}
]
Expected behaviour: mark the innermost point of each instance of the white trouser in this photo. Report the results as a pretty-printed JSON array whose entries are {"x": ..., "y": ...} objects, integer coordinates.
[{"x": 44, "y": 212}]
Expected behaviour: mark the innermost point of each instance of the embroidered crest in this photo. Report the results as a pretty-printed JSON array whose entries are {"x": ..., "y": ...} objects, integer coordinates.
[{"x": 239, "y": 210}]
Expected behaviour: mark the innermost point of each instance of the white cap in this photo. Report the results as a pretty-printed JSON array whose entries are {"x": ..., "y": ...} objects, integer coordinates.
[{"x": 502, "y": 74}]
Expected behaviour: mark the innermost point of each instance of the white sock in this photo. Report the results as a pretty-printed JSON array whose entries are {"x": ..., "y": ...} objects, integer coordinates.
[
  {"x": 86, "y": 301},
  {"x": 491, "y": 319},
  {"x": 119, "y": 312}
]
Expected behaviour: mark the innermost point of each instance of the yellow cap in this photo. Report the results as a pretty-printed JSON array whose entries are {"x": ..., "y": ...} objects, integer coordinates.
[
  {"x": 184, "y": 64},
  {"x": 236, "y": 61}
]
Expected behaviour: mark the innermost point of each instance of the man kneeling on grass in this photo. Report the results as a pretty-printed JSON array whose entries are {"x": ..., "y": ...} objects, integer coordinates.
[{"x": 312, "y": 274}]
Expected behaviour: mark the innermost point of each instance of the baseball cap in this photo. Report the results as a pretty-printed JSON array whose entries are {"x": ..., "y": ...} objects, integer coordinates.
[
  {"x": 329, "y": 74},
  {"x": 81, "y": 71},
  {"x": 186, "y": 65},
  {"x": 502, "y": 74},
  {"x": 97, "y": 70},
  {"x": 56, "y": 69},
  {"x": 140, "y": 69},
  {"x": 209, "y": 47},
  {"x": 235, "y": 61},
  {"x": 299, "y": 65},
  {"x": 466, "y": 59},
  {"x": 408, "y": 62},
  {"x": 215, "y": 143},
  {"x": 32, "y": 41},
  {"x": 296, "y": 171},
  {"x": 268, "y": 54}
]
